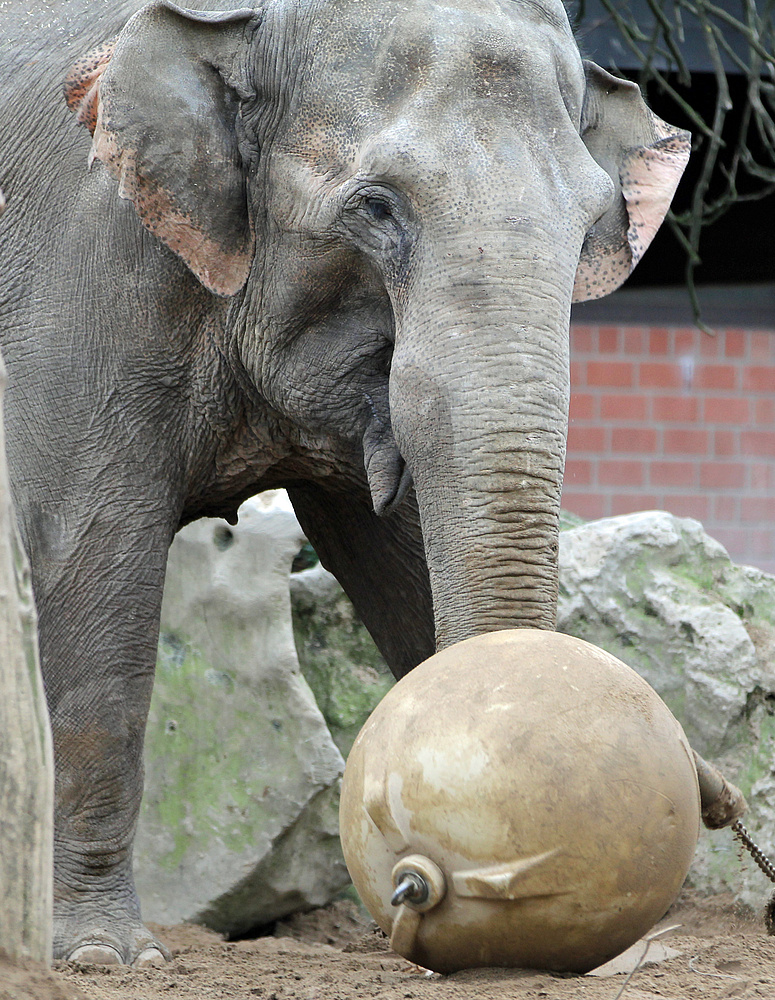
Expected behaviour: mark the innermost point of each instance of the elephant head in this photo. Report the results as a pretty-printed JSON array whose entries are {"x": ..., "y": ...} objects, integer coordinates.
[{"x": 401, "y": 200}]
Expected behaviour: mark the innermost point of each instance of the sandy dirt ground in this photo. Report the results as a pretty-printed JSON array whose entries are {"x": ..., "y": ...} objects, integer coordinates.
[{"x": 337, "y": 954}]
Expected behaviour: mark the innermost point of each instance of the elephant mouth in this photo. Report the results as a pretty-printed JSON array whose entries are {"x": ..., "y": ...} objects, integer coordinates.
[
  {"x": 387, "y": 473},
  {"x": 402, "y": 487}
]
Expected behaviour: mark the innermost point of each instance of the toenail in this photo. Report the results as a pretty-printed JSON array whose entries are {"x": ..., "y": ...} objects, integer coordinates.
[
  {"x": 95, "y": 954},
  {"x": 149, "y": 957}
]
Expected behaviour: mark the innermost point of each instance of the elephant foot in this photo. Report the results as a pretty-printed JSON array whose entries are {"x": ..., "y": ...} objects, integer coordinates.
[
  {"x": 105, "y": 954},
  {"x": 127, "y": 943}
]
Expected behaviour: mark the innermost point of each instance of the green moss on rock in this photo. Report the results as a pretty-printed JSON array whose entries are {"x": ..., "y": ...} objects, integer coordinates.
[
  {"x": 338, "y": 657},
  {"x": 212, "y": 758}
]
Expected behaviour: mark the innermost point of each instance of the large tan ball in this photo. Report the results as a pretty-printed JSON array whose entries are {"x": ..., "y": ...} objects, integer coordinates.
[{"x": 532, "y": 798}]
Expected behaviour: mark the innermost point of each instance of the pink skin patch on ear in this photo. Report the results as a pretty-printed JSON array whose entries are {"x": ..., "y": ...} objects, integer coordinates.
[
  {"x": 601, "y": 271},
  {"x": 222, "y": 272},
  {"x": 82, "y": 84},
  {"x": 649, "y": 178}
]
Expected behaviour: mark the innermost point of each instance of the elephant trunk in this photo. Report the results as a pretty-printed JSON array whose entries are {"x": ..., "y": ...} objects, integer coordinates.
[{"x": 479, "y": 402}]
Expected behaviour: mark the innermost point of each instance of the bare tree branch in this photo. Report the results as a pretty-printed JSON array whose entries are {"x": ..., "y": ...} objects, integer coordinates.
[{"x": 734, "y": 168}]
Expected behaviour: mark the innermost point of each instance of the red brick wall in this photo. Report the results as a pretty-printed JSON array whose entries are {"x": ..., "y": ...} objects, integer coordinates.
[{"x": 674, "y": 419}]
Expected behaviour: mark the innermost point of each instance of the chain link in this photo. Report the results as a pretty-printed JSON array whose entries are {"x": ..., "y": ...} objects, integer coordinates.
[{"x": 756, "y": 853}]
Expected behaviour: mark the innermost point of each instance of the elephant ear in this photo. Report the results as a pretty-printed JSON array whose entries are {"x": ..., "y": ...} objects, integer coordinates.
[
  {"x": 163, "y": 104},
  {"x": 645, "y": 158}
]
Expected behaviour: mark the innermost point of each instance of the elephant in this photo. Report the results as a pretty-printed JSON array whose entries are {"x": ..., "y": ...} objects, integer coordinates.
[{"x": 324, "y": 245}]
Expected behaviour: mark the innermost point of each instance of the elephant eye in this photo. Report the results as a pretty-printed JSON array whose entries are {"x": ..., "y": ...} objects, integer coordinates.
[{"x": 377, "y": 208}]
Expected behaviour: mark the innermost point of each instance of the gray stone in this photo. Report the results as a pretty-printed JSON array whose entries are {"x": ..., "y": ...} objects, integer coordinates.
[
  {"x": 659, "y": 593},
  {"x": 239, "y": 823},
  {"x": 239, "y": 819},
  {"x": 344, "y": 668}
]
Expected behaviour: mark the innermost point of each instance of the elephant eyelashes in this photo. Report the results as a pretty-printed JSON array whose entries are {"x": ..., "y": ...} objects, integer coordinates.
[
  {"x": 381, "y": 224},
  {"x": 377, "y": 208}
]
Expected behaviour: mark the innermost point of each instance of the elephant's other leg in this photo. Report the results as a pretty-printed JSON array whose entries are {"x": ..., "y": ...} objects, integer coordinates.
[
  {"x": 380, "y": 563},
  {"x": 98, "y": 577}
]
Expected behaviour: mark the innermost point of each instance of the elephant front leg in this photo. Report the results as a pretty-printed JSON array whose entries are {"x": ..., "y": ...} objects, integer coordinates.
[
  {"x": 97, "y": 794},
  {"x": 99, "y": 619},
  {"x": 380, "y": 563}
]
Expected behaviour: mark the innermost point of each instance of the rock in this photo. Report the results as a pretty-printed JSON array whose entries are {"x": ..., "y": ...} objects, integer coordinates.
[
  {"x": 664, "y": 597},
  {"x": 659, "y": 593},
  {"x": 239, "y": 823},
  {"x": 344, "y": 668}
]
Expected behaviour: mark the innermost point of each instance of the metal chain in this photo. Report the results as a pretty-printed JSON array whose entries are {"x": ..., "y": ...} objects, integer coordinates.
[{"x": 756, "y": 853}]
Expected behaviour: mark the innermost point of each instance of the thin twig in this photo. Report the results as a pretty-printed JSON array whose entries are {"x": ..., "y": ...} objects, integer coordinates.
[{"x": 651, "y": 937}]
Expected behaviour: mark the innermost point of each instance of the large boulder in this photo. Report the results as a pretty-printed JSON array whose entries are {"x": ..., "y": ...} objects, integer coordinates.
[
  {"x": 663, "y": 596},
  {"x": 659, "y": 593},
  {"x": 239, "y": 822}
]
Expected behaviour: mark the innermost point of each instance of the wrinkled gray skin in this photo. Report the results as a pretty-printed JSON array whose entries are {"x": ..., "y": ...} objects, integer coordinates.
[{"x": 340, "y": 260}]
